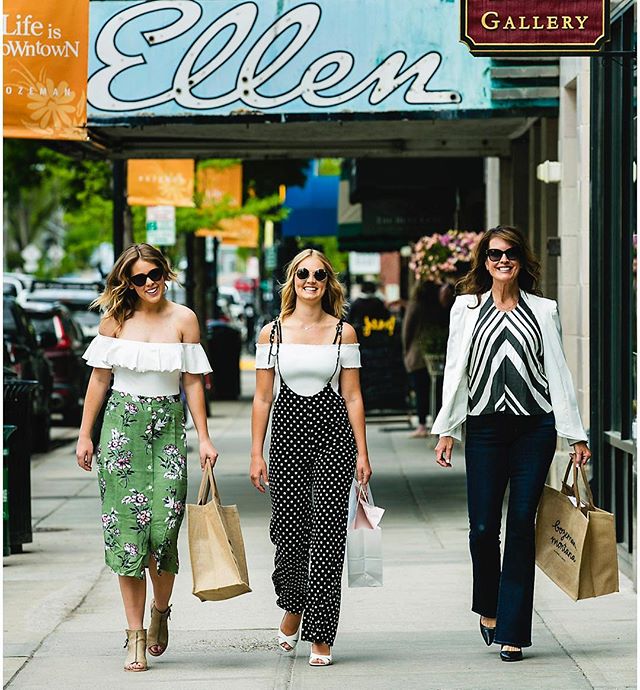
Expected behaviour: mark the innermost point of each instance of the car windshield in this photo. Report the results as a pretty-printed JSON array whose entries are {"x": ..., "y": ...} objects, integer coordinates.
[
  {"x": 42, "y": 323},
  {"x": 8, "y": 320},
  {"x": 86, "y": 318}
]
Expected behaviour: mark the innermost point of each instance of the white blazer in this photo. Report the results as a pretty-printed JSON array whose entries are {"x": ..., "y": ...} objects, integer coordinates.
[{"x": 455, "y": 393}]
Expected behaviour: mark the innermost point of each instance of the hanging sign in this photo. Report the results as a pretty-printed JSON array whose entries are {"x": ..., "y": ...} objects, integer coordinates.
[
  {"x": 217, "y": 184},
  {"x": 45, "y": 54},
  {"x": 161, "y": 226},
  {"x": 161, "y": 182},
  {"x": 241, "y": 231},
  {"x": 503, "y": 27}
]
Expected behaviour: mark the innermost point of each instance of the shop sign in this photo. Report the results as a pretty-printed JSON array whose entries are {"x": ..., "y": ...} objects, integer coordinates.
[
  {"x": 503, "y": 27},
  {"x": 160, "y": 182},
  {"x": 191, "y": 57},
  {"x": 161, "y": 225},
  {"x": 44, "y": 49},
  {"x": 363, "y": 263}
]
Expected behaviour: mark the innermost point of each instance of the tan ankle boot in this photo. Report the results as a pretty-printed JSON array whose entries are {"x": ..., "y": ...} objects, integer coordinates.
[
  {"x": 158, "y": 630},
  {"x": 136, "y": 645}
]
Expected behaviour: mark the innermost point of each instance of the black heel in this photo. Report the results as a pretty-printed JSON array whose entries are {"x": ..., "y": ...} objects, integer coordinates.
[
  {"x": 510, "y": 655},
  {"x": 488, "y": 634}
]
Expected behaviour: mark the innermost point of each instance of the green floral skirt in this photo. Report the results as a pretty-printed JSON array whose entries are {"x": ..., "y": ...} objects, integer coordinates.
[{"x": 142, "y": 474}]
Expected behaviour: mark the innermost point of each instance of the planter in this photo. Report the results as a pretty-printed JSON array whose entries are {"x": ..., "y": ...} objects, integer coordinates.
[{"x": 435, "y": 364}]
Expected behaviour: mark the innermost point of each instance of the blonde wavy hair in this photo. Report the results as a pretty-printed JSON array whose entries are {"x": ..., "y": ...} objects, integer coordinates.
[
  {"x": 118, "y": 300},
  {"x": 333, "y": 300}
]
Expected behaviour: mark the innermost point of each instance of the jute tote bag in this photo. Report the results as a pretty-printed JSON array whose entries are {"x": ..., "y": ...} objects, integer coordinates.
[
  {"x": 216, "y": 547},
  {"x": 576, "y": 541}
]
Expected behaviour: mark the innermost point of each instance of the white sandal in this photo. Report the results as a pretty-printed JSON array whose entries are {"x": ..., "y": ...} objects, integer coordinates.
[
  {"x": 291, "y": 640},
  {"x": 320, "y": 659}
]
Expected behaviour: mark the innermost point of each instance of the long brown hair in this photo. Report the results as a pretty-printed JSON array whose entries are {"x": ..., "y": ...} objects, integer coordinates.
[
  {"x": 333, "y": 300},
  {"x": 478, "y": 280},
  {"x": 119, "y": 300}
]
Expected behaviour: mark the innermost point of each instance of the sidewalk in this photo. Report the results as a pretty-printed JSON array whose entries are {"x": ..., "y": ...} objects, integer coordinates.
[{"x": 64, "y": 625}]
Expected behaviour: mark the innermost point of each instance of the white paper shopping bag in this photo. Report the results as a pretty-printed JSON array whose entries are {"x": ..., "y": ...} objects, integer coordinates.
[{"x": 364, "y": 540}]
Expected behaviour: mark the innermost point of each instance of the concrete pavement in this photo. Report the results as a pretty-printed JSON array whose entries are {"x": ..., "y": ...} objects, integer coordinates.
[{"x": 63, "y": 620}]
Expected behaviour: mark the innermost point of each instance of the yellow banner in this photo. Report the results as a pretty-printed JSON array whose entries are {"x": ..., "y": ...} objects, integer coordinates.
[
  {"x": 240, "y": 232},
  {"x": 45, "y": 64},
  {"x": 215, "y": 185},
  {"x": 160, "y": 182}
]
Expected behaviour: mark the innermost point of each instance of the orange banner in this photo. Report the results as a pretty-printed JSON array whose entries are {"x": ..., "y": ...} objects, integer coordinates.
[
  {"x": 160, "y": 182},
  {"x": 45, "y": 63},
  {"x": 214, "y": 184},
  {"x": 240, "y": 232}
]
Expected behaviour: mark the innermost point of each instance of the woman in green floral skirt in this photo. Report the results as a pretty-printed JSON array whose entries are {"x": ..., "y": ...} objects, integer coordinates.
[{"x": 150, "y": 345}]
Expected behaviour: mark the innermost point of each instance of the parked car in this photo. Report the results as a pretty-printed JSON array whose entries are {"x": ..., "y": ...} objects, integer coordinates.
[
  {"x": 24, "y": 356},
  {"x": 70, "y": 373},
  {"x": 74, "y": 295}
]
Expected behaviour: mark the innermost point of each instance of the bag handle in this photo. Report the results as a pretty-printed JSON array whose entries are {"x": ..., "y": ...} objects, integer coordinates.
[
  {"x": 208, "y": 482},
  {"x": 363, "y": 493},
  {"x": 576, "y": 490}
]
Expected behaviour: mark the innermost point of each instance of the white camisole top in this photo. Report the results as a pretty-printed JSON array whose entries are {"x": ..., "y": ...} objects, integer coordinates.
[
  {"x": 307, "y": 368},
  {"x": 146, "y": 369}
]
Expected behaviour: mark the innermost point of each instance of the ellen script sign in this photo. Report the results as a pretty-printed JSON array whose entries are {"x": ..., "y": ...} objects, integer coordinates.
[{"x": 224, "y": 57}]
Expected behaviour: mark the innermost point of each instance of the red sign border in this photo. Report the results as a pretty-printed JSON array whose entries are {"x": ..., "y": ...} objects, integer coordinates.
[{"x": 524, "y": 49}]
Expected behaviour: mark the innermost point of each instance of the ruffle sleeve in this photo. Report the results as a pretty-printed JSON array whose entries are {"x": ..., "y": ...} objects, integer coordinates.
[
  {"x": 350, "y": 356},
  {"x": 263, "y": 361},
  {"x": 96, "y": 353},
  {"x": 105, "y": 352},
  {"x": 194, "y": 359}
]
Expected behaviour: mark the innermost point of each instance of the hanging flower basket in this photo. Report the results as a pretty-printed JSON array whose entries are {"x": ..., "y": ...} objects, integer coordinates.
[{"x": 441, "y": 258}]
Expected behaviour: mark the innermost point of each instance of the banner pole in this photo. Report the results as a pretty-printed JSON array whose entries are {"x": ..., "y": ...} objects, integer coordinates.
[{"x": 119, "y": 205}]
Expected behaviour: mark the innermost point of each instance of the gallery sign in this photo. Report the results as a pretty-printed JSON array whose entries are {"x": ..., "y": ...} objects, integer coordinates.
[
  {"x": 504, "y": 27},
  {"x": 164, "y": 58}
]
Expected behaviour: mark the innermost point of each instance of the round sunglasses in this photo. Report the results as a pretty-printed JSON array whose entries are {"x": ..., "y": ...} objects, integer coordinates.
[
  {"x": 320, "y": 274},
  {"x": 512, "y": 254},
  {"x": 140, "y": 279}
]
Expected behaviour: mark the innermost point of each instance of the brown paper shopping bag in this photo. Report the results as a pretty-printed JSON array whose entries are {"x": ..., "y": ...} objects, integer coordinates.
[
  {"x": 216, "y": 547},
  {"x": 575, "y": 541}
]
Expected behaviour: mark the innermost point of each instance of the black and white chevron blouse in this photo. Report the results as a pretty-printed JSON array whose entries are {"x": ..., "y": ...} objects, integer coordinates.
[{"x": 506, "y": 369}]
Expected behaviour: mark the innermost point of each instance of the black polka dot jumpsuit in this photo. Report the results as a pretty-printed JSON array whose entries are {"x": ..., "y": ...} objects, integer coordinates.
[{"x": 311, "y": 465}]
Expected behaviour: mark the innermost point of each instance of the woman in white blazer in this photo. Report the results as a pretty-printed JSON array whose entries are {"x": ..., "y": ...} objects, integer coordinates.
[{"x": 507, "y": 378}]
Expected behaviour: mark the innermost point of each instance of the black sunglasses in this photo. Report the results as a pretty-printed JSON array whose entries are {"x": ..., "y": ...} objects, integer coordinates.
[
  {"x": 512, "y": 254},
  {"x": 320, "y": 274},
  {"x": 140, "y": 279}
]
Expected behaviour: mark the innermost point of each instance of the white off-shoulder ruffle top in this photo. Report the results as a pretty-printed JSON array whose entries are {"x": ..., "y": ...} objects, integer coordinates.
[
  {"x": 147, "y": 369},
  {"x": 307, "y": 368}
]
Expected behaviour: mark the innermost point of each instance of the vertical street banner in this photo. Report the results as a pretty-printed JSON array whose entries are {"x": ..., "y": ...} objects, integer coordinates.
[
  {"x": 45, "y": 66},
  {"x": 217, "y": 185},
  {"x": 160, "y": 182}
]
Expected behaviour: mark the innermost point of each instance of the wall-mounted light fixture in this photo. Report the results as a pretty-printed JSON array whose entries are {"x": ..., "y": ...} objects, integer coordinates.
[{"x": 549, "y": 171}]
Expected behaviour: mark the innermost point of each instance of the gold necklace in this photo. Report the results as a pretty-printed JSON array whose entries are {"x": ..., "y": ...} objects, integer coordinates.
[{"x": 308, "y": 328}]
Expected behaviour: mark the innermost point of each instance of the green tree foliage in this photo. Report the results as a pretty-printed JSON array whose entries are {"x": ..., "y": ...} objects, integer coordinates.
[
  {"x": 329, "y": 247},
  {"x": 38, "y": 182}
]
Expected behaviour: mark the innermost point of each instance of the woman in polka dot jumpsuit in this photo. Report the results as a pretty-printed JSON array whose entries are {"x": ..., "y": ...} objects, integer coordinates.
[{"x": 318, "y": 440}]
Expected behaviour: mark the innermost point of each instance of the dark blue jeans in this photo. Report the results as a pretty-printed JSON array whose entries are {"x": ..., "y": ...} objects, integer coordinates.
[{"x": 517, "y": 450}]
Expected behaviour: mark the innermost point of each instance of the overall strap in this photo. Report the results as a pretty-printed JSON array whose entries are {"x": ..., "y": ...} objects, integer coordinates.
[
  {"x": 337, "y": 339},
  {"x": 275, "y": 335}
]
